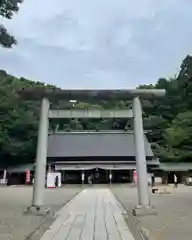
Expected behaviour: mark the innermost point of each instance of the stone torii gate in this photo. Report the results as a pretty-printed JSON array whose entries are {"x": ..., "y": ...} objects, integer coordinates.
[{"x": 144, "y": 206}]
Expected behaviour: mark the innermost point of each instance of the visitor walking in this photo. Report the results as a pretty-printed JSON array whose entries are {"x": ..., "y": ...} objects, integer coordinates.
[
  {"x": 90, "y": 179},
  {"x": 175, "y": 181}
]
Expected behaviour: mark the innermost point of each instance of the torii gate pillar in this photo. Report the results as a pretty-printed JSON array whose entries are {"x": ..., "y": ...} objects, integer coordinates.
[
  {"x": 143, "y": 207},
  {"x": 41, "y": 160}
]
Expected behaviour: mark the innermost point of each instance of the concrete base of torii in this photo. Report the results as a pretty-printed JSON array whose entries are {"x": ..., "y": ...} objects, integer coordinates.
[
  {"x": 144, "y": 210},
  {"x": 38, "y": 211}
]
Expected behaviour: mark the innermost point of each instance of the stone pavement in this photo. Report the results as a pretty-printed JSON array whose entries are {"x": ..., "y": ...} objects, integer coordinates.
[{"x": 93, "y": 214}]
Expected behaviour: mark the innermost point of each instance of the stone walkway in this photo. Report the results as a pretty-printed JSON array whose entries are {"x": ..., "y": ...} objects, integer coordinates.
[{"x": 93, "y": 214}]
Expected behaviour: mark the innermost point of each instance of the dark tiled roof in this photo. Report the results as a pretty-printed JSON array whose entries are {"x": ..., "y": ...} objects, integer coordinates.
[{"x": 95, "y": 144}]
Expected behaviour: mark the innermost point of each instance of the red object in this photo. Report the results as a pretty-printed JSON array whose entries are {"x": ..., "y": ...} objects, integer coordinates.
[
  {"x": 28, "y": 176},
  {"x": 135, "y": 176}
]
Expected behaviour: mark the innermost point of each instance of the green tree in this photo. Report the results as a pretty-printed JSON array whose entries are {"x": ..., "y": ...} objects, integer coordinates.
[
  {"x": 7, "y": 9},
  {"x": 185, "y": 82},
  {"x": 179, "y": 137}
]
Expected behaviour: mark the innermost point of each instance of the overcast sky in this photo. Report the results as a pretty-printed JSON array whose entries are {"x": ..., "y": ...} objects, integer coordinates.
[{"x": 99, "y": 43}]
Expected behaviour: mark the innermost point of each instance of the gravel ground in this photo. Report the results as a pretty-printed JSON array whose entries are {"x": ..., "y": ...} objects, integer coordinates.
[
  {"x": 173, "y": 221},
  {"x": 14, "y": 200}
]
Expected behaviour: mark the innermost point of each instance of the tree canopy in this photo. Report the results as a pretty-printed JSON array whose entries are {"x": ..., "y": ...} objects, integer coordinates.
[
  {"x": 7, "y": 9},
  {"x": 169, "y": 120}
]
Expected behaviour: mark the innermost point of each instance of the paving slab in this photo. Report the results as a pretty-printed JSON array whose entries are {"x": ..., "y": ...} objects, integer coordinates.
[{"x": 94, "y": 214}]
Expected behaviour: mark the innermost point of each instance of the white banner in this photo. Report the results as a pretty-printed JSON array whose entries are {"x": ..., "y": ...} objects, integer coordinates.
[{"x": 51, "y": 179}]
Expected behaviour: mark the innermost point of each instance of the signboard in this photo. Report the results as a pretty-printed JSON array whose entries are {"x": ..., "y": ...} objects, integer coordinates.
[{"x": 51, "y": 177}]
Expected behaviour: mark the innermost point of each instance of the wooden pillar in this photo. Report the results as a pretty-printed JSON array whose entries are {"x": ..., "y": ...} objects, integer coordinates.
[{"x": 165, "y": 178}]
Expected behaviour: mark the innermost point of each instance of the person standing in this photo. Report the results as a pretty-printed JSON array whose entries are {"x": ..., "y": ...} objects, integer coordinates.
[
  {"x": 152, "y": 180},
  {"x": 175, "y": 181},
  {"x": 90, "y": 179},
  {"x": 56, "y": 181}
]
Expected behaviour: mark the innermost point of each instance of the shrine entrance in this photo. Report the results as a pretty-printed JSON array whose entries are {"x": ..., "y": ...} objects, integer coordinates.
[{"x": 135, "y": 113}]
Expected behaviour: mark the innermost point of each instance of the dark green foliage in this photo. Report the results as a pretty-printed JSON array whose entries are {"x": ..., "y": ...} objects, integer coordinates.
[
  {"x": 169, "y": 119},
  {"x": 7, "y": 9},
  {"x": 18, "y": 121}
]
